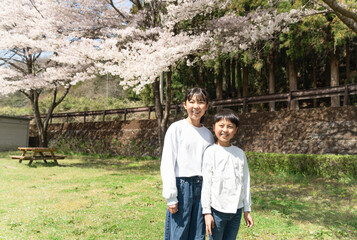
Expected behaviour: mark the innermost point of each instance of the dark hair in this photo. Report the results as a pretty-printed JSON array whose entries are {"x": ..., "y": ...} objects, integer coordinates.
[
  {"x": 200, "y": 92},
  {"x": 196, "y": 91},
  {"x": 227, "y": 114}
]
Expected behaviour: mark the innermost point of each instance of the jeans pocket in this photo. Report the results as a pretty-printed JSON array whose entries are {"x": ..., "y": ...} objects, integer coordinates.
[{"x": 182, "y": 184}]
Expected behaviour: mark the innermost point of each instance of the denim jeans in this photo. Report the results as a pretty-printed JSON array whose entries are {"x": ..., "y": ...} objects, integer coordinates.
[
  {"x": 226, "y": 225},
  {"x": 188, "y": 223}
]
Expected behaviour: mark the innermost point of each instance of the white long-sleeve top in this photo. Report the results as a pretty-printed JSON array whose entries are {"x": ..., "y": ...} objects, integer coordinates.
[
  {"x": 226, "y": 180},
  {"x": 182, "y": 155}
]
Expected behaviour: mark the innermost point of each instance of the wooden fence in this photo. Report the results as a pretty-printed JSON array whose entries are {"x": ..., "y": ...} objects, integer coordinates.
[{"x": 344, "y": 91}]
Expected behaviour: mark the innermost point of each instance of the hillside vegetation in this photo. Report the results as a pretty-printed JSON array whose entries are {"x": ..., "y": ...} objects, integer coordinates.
[{"x": 86, "y": 96}]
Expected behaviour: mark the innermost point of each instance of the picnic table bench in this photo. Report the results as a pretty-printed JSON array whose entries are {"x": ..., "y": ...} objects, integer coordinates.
[{"x": 38, "y": 153}]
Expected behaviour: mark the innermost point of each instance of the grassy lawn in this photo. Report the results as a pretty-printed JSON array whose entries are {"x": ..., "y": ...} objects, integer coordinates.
[{"x": 91, "y": 198}]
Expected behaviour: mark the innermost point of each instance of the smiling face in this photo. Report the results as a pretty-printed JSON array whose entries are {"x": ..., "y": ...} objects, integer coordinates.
[
  {"x": 196, "y": 108},
  {"x": 224, "y": 131}
]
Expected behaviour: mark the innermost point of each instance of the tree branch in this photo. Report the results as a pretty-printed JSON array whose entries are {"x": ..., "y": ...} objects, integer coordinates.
[
  {"x": 137, "y": 3},
  {"x": 64, "y": 95},
  {"x": 33, "y": 4},
  {"x": 36, "y": 56},
  {"x": 347, "y": 17},
  {"x": 111, "y": 3},
  {"x": 13, "y": 65},
  {"x": 339, "y": 9}
]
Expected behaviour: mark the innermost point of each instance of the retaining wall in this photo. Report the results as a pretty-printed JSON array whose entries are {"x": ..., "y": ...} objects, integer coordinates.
[{"x": 315, "y": 131}]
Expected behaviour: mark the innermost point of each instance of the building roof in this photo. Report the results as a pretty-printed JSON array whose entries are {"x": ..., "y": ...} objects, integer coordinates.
[{"x": 15, "y": 117}]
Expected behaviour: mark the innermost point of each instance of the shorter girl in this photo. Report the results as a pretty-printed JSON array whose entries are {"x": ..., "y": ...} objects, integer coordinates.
[{"x": 226, "y": 181}]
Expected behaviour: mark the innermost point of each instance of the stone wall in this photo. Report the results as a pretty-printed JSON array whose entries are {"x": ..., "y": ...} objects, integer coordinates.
[
  {"x": 315, "y": 131},
  {"x": 121, "y": 130}
]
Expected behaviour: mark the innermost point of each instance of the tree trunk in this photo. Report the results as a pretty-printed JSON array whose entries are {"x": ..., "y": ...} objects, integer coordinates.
[
  {"x": 167, "y": 101},
  {"x": 294, "y": 104},
  {"x": 158, "y": 113},
  {"x": 239, "y": 78},
  {"x": 314, "y": 79},
  {"x": 233, "y": 77},
  {"x": 348, "y": 62},
  {"x": 335, "y": 101},
  {"x": 245, "y": 80},
  {"x": 42, "y": 134},
  {"x": 219, "y": 81},
  {"x": 161, "y": 87},
  {"x": 42, "y": 125},
  {"x": 162, "y": 116},
  {"x": 245, "y": 86},
  {"x": 271, "y": 78},
  {"x": 200, "y": 77},
  {"x": 228, "y": 77}
]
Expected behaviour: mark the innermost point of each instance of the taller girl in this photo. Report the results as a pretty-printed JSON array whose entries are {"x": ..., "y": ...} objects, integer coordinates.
[{"x": 181, "y": 164}]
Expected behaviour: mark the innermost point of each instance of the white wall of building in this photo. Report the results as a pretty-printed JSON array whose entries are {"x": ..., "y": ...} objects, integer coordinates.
[{"x": 14, "y": 132}]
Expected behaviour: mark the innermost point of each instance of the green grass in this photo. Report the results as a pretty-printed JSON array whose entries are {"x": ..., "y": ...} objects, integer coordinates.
[{"x": 91, "y": 198}]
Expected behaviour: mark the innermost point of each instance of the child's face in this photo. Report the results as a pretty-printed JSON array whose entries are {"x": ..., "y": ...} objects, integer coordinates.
[
  {"x": 224, "y": 131},
  {"x": 195, "y": 107}
]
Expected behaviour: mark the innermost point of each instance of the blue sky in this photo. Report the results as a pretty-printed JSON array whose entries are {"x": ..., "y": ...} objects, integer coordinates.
[{"x": 125, "y": 4}]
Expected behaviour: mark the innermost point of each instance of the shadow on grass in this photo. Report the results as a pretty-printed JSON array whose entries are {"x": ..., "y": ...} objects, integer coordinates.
[
  {"x": 323, "y": 202},
  {"x": 41, "y": 164},
  {"x": 147, "y": 166}
]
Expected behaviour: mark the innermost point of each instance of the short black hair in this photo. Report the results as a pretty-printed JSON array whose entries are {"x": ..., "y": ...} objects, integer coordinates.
[
  {"x": 196, "y": 91},
  {"x": 227, "y": 114}
]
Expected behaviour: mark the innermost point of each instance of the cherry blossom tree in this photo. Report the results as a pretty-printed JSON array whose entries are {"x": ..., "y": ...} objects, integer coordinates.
[{"x": 31, "y": 46}]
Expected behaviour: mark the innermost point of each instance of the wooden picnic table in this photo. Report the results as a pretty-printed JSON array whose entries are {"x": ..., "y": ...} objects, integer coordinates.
[{"x": 38, "y": 153}]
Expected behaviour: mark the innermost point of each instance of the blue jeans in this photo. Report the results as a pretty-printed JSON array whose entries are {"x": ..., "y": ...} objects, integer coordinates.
[
  {"x": 188, "y": 223},
  {"x": 226, "y": 225}
]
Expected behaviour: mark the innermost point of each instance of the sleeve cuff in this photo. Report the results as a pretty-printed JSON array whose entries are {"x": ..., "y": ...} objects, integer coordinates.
[
  {"x": 206, "y": 211},
  {"x": 247, "y": 209},
  {"x": 171, "y": 201}
]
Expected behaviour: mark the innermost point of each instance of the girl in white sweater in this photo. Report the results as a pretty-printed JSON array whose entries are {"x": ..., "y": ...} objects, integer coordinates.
[{"x": 181, "y": 163}]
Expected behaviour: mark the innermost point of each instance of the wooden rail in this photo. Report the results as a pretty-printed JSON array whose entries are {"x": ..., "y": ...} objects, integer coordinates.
[{"x": 344, "y": 90}]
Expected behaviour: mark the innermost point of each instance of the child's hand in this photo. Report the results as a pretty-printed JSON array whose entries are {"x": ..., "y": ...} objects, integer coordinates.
[
  {"x": 209, "y": 223},
  {"x": 248, "y": 219},
  {"x": 173, "y": 208}
]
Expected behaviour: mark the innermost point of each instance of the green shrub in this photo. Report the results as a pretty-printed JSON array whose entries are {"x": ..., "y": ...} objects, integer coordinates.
[
  {"x": 327, "y": 165},
  {"x": 343, "y": 167}
]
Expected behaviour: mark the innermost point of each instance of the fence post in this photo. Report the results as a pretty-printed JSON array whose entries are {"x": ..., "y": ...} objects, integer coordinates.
[
  {"x": 67, "y": 118},
  {"x": 84, "y": 116},
  {"x": 245, "y": 105},
  {"x": 125, "y": 114},
  {"x": 104, "y": 116},
  {"x": 149, "y": 112},
  {"x": 289, "y": 100},
  {"x": 346, "y": 97}
]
